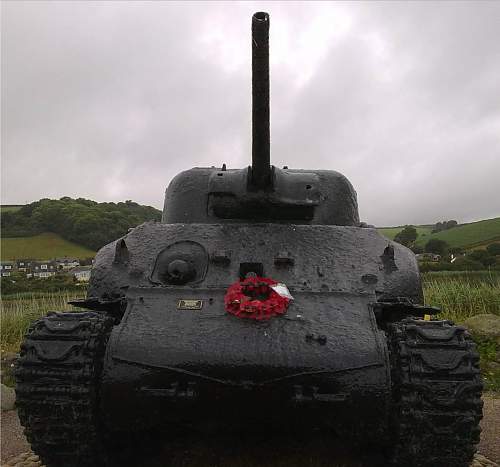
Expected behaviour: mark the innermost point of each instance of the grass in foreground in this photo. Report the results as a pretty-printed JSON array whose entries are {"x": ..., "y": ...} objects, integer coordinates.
[
  {"x": 44, "y": 246},
  {"x": 19, "y": 311},
  {"x": 461, "y": 295}
]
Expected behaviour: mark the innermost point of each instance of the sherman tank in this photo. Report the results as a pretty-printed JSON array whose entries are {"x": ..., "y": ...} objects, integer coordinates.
[{"x": 260, "y": 298}]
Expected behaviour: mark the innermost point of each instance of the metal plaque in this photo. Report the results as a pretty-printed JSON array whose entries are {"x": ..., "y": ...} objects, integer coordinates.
[{"x": 190, "y": 305}]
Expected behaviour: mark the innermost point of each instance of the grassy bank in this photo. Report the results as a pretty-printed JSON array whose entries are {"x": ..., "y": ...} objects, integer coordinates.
[{"x": 467, "y": 236}]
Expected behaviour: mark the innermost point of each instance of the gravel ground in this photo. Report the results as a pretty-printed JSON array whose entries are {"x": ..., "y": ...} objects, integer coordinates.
[
  {"x": 222, "y": 452},
  {"x": 490, "y": 436},
  {"x": 13, "y": 440}
]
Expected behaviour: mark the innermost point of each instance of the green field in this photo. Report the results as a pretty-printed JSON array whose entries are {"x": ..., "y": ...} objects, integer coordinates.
[
  {"x": 473, "y": 235},
  {"x": 468, "y": 235},
  {"x": 10, "y": 207},
  {"x": 43, "y": 246}
]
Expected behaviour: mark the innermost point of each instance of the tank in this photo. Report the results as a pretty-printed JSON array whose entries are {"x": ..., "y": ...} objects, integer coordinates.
[{"x": 261, "y": 294}]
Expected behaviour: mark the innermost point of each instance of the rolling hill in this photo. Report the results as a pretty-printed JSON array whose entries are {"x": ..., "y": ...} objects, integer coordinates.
[
  {"x": 467, "y": 236},
  {"x": 43, "y": 246}
]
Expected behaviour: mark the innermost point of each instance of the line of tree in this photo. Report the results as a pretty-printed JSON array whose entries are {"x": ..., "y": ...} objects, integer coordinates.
[
  {"x": 445, "y": 225},
  {"x": 80, "y": 220}
]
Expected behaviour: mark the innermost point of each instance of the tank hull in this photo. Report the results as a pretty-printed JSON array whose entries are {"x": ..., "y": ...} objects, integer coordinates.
[
  {"x": 324, "y": 360},
  {"x": 197, "y": 366}
]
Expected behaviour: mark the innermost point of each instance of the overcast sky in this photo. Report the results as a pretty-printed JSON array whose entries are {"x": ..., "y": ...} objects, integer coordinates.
[{"x": 109, "y": 101}]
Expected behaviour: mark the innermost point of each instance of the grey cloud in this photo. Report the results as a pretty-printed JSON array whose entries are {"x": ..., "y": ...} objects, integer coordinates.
[{"x": 110, "y": 100}]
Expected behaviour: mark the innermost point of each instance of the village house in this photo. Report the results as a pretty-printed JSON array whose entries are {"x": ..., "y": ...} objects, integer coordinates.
[
  {"x": 82, "y": 273},
  {"x": 424, "y": 257},
  {"x": 6, "y": 268},
  {"x": 66, "y": 263},
  {"x": 43, "y": 269},
  {"x": 24, "y": 265}
]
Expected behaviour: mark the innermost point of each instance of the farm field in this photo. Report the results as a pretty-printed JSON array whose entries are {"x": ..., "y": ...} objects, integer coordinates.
[
  {"x": 469, "y": 236},
  {"x": 44, "y": 246}
]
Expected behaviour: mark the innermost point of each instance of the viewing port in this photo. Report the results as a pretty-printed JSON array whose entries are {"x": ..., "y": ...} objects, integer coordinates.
[{"x": 247, "y": 268}]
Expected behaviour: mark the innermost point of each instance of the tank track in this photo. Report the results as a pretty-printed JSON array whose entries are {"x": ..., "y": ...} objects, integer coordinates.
[
  {"x": 436, "y": 387},
  {"x": 57, "y": 387}
]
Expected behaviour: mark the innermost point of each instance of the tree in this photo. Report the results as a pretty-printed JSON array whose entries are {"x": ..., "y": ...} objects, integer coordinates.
[
  {"x": 438, "y": 227},
  {"x": 483, "y": 257},
  {"x": 450, "y": 224},
  {"x": 436, "y": 246},
  {"x": 493, "y": 249},
  {"x": 445, "y": 225},
  {"x": 417, "y": 249},
  {"x": 79, "y": 220},
  {"x": 466, "y": 264},
  {"x": 407, "y": 236}
]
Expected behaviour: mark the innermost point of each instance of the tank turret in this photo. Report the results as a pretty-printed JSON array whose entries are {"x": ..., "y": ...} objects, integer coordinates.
[{"x": 261, "y": 192}]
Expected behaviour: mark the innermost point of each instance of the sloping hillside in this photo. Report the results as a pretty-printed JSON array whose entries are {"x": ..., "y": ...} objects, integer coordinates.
[
  {"x": 43, "y": 246},
  {"x": 466, "y": 236}
]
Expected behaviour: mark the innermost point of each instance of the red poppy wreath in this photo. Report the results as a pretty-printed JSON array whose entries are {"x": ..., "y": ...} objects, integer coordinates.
[{"x": 255, "y": 298}]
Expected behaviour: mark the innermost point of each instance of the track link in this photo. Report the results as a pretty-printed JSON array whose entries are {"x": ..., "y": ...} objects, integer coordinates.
[
  {"x": 57, "y": 387},
  {"x": 436, "y": 386}
]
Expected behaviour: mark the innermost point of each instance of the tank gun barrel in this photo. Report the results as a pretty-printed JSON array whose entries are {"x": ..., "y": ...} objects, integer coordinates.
[{"x": 261, "y": 166}]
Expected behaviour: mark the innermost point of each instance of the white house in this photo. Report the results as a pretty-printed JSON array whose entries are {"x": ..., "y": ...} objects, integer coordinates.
[
  {"x": 6, "y": 267},
  {"x": 67, "y": 263},
  {"x": 24, "y": 265},
  {"x": 82, "y": 273},
  {"x": 428, "y": 257},
  {"x": 43, "y": 269}
]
